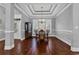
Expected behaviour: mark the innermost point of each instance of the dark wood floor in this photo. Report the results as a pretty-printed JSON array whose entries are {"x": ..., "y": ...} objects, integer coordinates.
[{"x": 32, "y": 47}]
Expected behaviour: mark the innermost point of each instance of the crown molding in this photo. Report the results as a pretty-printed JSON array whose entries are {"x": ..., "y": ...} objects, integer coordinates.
[
  {"x": 2, "y": 5},
  {"x": 20, "y": 9},
  {"x": 63, "y": 9},
  {"x": 43, "y": 17}
]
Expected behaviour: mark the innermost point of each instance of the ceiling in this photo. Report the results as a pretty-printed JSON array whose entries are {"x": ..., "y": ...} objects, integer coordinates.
[{"x": 44, "y": 9}]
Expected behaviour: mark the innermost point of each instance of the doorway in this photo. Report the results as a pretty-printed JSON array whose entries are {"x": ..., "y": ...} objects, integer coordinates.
[{"x": 28, "y": 30}]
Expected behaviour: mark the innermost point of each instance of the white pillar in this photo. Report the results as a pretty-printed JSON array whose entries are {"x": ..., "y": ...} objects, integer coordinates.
[
  {"x": 75, "y": 41},
  {"x": 20, "y": 34},
  {"x": 22, "y": 28},
  {"x": 9, "y": 26}
]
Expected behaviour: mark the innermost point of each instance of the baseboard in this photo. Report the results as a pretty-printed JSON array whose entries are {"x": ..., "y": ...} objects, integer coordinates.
[
  {"x": 63, "y": 40},
  {"x": 34, "y": 35},
  {"x": 2, "y": 39},
  {"x": 17, "y": 38},
  {"x": 64, "y": 31},
  {"x": 75, "y": 49},
  {"x": 48, "y": 35},
  {"x": 59, "y": 39},
  {"x": 22, "y": 38},
  {"x": 51, "y": 35},
  {"x": 9, "y": 47}
]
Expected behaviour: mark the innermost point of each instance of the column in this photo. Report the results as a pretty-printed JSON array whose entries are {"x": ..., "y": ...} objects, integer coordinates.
[
  {"x": 75, "y": 41},
  {"x": 9, "y": 26},
  {"x": 20, "y": 34},
  {"x": 22, "y": 28}
]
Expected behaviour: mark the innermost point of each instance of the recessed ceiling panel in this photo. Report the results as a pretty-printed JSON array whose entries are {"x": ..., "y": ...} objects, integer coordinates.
[
  {"x": 46, "y": 9},
  {"x": 41, "y": 7},
  {"x": 58, "y": 8}
]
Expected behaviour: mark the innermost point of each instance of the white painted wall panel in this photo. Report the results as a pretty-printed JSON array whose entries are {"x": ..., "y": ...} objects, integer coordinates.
[{"x": 64, "y": 25}]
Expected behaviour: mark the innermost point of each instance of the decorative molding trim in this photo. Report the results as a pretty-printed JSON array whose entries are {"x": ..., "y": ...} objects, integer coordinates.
[
  {"x": 9, "y": 47},
  {"x": 63, "y": 9},
  {"x": 75, "y": 49},
  {"x": 65, "y": 30},
  {"x": 63, "y": 40},
  {"x": 49, "y": 35},
  {"x": 59, "y": 39},
  {"x": 23, "y": 38},
  {"x": 20, "y": 9},
  {"x": 56, "y": 37},
  {"x": 20, "y": 38},
  {"x": 2, "y": 5},
  {"x": 31, "y": 8},
  {"x": 17, "y": 38},
  {"x": 2, "y": 39},
  {"x": 8, "y": 31},
  {"x": 33, "y": 35}
]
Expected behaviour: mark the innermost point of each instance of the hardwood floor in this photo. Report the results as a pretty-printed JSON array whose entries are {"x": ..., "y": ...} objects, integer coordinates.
[{"x": 32, "y": 47}]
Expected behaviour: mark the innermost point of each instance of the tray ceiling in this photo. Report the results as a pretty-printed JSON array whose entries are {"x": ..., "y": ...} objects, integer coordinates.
[{"x": 44, "y": 9}]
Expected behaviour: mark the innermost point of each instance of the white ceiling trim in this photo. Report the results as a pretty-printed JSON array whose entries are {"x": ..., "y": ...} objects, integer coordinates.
[
  {"x": 58, "y": 9},
  {"x": 43, "y": 16},
  {"x": 19, "y": 7},
  {"x": 42, "y": 13},
  {"x": 63, "y": 9},
  {"x": 43, "y": 6},
  {"x": 31, "y": 9},
  {"x": 2, "y": 5},
  {"x": 27, "y": 10},
  {"x": 55, "y": 10}
]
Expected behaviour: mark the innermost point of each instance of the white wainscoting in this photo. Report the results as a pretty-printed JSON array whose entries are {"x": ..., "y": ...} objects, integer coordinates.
[{"x": 65, "y": 36}]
